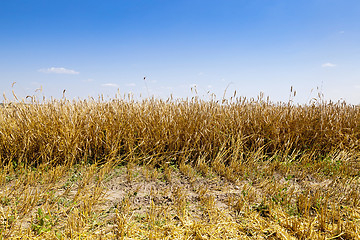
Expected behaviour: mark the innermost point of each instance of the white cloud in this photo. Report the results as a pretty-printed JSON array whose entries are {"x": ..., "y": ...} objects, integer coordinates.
[
  {"x": 109, "y": 85},
  {"x": 58, "y": 70},
  {"x": 130, "y": 84},
  {"x": 327, "y": 65}
]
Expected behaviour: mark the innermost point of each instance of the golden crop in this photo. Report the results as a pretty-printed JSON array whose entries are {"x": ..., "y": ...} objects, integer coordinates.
[
  {"x": 73, "y": 131},
  {"x": 179, "y": 169}
]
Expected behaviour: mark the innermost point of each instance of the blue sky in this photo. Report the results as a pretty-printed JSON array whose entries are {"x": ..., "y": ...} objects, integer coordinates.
[{"x": 105, "y": 47}]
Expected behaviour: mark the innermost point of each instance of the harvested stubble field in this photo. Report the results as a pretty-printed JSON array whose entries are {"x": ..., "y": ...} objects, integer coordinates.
[{"x": 179, "y": 169}]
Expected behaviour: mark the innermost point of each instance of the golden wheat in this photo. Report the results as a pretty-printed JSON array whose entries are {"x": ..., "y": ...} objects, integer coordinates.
[{"x": 179, "y": 169}]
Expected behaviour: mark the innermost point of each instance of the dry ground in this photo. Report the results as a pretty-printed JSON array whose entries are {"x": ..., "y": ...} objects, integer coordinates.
[{"x": 269, "y": 200}]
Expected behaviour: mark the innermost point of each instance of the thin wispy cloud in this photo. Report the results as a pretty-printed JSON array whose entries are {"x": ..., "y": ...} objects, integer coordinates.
[
  {"x": 328, "y": 65},
  {"x": 130, "y": 84},
  {"x": 58, "y": 70},
  {"x": 88, "y": 80},
  {"x": 109, "y": 85}
]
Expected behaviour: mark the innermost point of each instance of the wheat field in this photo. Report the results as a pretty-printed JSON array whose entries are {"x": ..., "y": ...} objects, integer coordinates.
[{"x": 234, "y": 168}]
